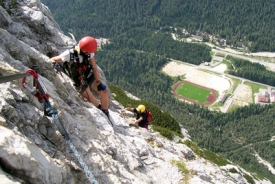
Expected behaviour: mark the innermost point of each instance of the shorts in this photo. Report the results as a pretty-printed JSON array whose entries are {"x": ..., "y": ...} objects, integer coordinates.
[
  {"x": 82, "y": 87},
  {"x": 142, "y": 123}
]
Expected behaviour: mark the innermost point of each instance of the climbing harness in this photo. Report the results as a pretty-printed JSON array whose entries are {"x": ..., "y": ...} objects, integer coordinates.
[
  {"x": 39, "y": 90},
  {"x": 78, "y": 72}
]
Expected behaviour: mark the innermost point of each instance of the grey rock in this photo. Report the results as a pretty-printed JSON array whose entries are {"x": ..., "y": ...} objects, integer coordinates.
[{"x": 36, "y": 152}]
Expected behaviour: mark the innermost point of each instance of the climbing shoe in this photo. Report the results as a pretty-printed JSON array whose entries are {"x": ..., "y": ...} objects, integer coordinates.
[
  {"x": 106, "y": 112},
  {"x": 99, "y": 107}
]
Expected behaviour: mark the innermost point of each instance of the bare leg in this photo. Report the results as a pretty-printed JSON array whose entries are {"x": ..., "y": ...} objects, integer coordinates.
[
  {"x": 104, "y": 97},
  {"x": 89, "y": 96}
]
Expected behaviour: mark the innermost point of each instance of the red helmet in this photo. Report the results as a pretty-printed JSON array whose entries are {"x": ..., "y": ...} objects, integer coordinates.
[{"x": 88, "y": 44}]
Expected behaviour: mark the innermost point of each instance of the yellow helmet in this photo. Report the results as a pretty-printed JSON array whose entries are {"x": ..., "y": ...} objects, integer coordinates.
[{"x": 141, "y": 108}]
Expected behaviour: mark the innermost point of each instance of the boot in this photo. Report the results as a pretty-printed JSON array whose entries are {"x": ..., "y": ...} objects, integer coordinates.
[
  {"x": 99, "y": 106},
  {"x": 106, "y": 112}
]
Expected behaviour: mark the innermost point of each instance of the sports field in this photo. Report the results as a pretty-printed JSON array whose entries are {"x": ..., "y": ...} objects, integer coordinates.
[
  {"x": 193, "y": 92},
  {"x": 202, "y": 78}
]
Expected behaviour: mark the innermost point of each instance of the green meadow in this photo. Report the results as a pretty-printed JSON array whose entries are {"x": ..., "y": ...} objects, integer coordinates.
[{"x": 193, "y": 92}]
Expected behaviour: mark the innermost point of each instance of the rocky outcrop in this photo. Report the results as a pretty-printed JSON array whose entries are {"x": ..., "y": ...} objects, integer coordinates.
[{"x": 34, "y": 151}]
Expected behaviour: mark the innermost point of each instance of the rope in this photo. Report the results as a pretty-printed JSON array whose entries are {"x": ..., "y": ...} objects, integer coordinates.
[
  {"x": 63, "y": 132},
  {"x": 43, "y": 97},
  {"x": 82, "y": 163},
  {"x": 12, "y": 77}
]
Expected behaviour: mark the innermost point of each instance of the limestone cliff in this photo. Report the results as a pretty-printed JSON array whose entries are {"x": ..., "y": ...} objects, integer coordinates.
[{"x": 33, "y": 150}]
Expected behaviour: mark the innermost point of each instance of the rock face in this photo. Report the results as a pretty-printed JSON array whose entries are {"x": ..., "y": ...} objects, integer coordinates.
[{"x": 33, "y": 150}]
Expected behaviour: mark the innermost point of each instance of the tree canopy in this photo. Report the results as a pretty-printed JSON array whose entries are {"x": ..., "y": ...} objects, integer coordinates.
[{"x": 240, "y": 22}]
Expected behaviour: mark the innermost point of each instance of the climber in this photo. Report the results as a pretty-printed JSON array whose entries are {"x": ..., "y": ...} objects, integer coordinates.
[
  {"x": 141, "y": 119},
  {"x": 80, "y": 65}
]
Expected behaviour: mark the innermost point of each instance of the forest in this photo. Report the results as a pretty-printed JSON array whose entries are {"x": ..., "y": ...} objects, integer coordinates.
[
  {"x": 248, "y": 23},
  {"x": 252, "y": 71},
  {"x": 141, "y": 44}
]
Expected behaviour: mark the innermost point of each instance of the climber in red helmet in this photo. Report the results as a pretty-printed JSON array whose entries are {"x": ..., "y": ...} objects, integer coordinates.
[{"x": 80, "y": 64}]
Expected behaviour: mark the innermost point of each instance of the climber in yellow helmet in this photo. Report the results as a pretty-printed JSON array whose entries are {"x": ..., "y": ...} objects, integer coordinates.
[{"x": 141, "y": 116}]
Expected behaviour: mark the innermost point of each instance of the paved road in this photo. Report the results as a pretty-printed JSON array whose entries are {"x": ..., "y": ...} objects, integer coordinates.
[
  {"x": 267, "y": 64},
  {"x": 228, "y": 102}
]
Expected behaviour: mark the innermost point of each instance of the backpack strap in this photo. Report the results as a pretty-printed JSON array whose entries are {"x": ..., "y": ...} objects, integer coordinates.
[
  {"x": 74, "y": 56},
  {"x": 86, "y": 60},
  {"x": 77, "y": 69},
  {"x": 66, "y": 69}
]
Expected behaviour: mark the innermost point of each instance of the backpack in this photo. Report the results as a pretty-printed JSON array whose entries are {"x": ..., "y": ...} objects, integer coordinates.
[
  {"x": 74, "y": 69},
  {"x": 148, "y": 115}
]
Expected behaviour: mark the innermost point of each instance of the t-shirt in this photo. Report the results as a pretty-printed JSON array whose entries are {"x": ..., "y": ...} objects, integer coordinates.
[{"x": 65, "y": 56}]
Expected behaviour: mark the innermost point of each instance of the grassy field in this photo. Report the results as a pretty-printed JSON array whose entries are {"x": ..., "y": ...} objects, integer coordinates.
[
  {"x": 193, "y": 92},
  {"x": 255, "y": 88}
]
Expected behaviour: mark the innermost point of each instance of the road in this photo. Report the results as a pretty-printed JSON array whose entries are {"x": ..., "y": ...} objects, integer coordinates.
[
  {"x": 271, "y": 66},
  {"x": 228, "y": 102}
]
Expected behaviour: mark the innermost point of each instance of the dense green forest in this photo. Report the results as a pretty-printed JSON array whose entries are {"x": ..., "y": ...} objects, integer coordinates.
[
  {"x": 248, "y": 22},
  {"x": 141, "y": 44},
  {"x": 252, "y": 71}
]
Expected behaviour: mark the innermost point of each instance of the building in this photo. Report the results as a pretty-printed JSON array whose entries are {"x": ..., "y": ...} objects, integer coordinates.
[
  {"x": 206, "y": 63},
  {"x": 197, "y": 37},
  {"x": 223, "y": 98},
  {"x": 263, "y": 96},
  {"x": 272, "y": 97}
]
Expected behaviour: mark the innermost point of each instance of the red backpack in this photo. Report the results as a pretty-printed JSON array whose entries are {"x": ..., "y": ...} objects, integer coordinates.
[{"x": 148, "y": 115}]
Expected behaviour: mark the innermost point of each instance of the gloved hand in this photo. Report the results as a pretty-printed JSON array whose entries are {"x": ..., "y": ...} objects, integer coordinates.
[
  {"x": 53, "y": 64},
  {"x": 57, "y": 67},
  {"x": 101, "y": 87}
]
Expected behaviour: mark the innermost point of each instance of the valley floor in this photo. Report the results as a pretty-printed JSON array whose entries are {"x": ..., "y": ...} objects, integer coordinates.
[{"x": 211, "y": 75}]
